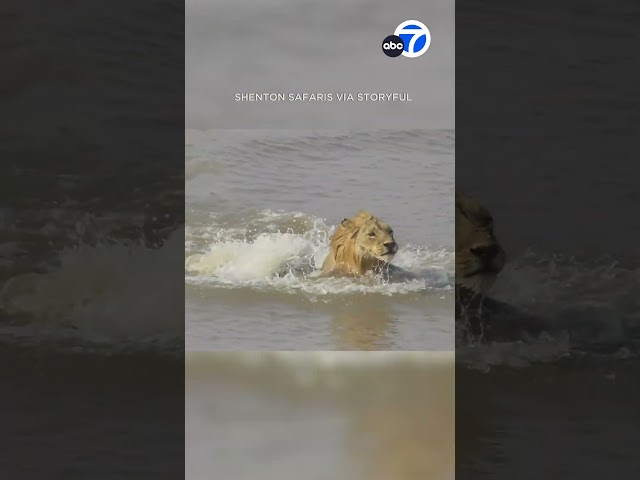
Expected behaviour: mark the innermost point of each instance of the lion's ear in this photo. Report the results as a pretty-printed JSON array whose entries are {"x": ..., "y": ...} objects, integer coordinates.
[
  {"x": 350, "y": 225},
  {"x": 346, "y": 223}
]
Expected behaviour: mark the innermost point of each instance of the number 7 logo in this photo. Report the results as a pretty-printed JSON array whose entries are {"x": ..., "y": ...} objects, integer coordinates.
[{"x": 416, "y": 38}]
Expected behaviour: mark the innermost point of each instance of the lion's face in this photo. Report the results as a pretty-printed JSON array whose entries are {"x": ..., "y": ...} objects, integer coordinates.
[
  {"x": 360, "y": 244},
  {"x": 372, "y": 237},
  {"x": 479, "y": 256}
]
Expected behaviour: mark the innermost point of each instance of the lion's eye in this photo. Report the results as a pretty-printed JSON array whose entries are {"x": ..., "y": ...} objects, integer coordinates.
[{"x": 372, "y": 234}]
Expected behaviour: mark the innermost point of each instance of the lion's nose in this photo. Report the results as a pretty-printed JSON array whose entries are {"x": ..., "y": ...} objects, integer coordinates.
[
  {"x": 391, "y": 245},
  {"x": 486, "y": 252}
]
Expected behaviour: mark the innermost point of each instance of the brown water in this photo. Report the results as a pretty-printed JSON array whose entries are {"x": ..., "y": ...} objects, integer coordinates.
[
  {"x": 342, "y": 415},
  {"x": 261, "y": 206}
]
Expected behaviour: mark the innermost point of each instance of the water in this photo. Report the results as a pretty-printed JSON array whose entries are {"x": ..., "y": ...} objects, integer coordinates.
[
  {"x": 579, "y": 411},
  {"x": 572, "y": 388},
  {"x": 90, "y": 414},
  {"x": 342, "y": 415},
  {"x": 547, "y": 142},
  {"x": 91, "y": 217},
  {"x": 261, "y": 206},
  {"x": 91, "y": 297},
  {"x": 90, "y": 197},
  {"x": 91, "y": 326}
]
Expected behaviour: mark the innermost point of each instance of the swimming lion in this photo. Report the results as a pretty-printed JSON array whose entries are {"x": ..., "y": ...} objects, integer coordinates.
[
  {"x": 479, "y": 260},
  {"x": 479, "y": 255},
  {"x": 359, "y": 245}
]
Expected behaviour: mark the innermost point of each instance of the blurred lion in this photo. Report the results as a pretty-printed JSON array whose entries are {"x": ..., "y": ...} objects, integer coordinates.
[
  {"x": 479, "y": 260},
  {"x": 359, "y": 245},
  {"x": 479, "y": 255}
]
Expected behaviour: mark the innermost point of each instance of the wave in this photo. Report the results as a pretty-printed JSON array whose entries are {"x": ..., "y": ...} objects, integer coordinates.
[
  {"x": 111, "y": 296},
  {"x": 285, "y": 250},
  {"x": 581, "y": 309}
]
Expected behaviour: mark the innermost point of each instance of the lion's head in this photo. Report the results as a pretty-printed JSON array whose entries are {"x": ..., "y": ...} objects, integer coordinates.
[
  {"x": 360, "y": 244},
  {"x": 479, "y": 256}
]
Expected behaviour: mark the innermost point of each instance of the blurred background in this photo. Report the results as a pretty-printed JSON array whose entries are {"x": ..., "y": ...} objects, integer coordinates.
[{"x": 320, "y": 415}]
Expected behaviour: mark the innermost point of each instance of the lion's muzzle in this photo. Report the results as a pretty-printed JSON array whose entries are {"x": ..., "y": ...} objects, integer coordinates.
[
  {"x": 392, "y": 248},
  {"x": 490, "y": 257}
]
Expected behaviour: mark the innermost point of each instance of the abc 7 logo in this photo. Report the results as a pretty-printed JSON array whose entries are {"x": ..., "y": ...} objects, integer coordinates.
[
  {"x": 411, "y": 39},
  {"x": 392, "y": 46}
]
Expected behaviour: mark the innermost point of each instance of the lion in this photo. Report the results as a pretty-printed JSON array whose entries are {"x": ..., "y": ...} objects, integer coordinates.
[
  {"x": 359, "y": 245},
  {"x": 479, "y": 255},
  {"x": 479, "y": 260}
]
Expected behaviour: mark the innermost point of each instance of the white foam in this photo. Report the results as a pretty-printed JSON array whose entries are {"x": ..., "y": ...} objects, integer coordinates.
[
  {"x": 109, "y": 294},
  {"x": 239, "y": 261}
]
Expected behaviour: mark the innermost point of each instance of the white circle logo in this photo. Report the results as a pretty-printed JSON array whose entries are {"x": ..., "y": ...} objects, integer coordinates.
[{"x": 416, "y": 38}]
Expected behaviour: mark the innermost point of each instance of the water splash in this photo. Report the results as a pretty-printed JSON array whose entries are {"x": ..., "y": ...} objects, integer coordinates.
[
  {"x": 588, "y": 308},
  {"x": 285, "y": 250},
  {"x": 113, "y": 295}
]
